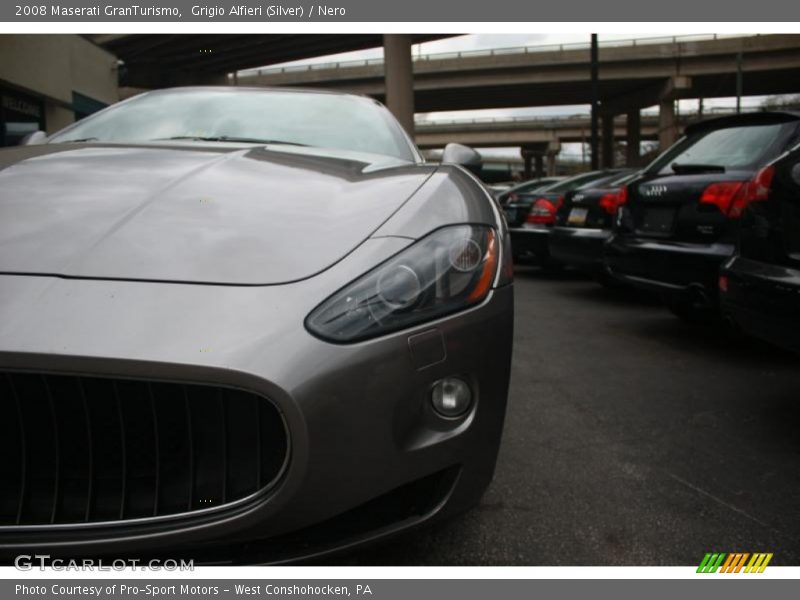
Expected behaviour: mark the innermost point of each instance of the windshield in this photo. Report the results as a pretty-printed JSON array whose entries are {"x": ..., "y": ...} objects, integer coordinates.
[
  {"x": 731, "y": 148},
  {"x": 268, "y": 116}
]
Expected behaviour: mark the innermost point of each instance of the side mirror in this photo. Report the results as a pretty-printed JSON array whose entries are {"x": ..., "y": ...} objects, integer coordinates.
[
  {"x": 462, "y": 155},
  {"x": 34, "y": 138}
]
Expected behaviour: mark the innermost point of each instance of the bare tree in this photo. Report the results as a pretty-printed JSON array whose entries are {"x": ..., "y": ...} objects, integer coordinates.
[{"x": 781, "y": 101}]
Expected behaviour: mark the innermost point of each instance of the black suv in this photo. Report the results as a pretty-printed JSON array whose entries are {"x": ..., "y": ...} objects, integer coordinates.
[
  {"x": 677, "y": 222},
  {"x": 760, "y": 286},
  {"x": 584, "y": 222}
]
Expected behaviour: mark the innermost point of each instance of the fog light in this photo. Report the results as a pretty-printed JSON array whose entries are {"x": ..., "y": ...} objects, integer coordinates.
[{"x": 451, "y": 397}]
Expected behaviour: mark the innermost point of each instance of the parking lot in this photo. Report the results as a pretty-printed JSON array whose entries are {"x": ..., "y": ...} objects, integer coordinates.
[{"x": 631, "y": 439}]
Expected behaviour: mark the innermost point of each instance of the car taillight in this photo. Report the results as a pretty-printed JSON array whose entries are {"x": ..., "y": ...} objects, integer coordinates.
[
  {"x": 543, "y": 212},
  {"x": 613, "y": 200},
  {"x": 722, "y": 194},
  {"x": 723, "y": 283},
  {"x": 732, "y": 197},
  {"x": 755, "y": 190}
]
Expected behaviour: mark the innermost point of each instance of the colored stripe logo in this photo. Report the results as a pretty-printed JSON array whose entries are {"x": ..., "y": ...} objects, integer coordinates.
[{"x": 736, "y": 562}]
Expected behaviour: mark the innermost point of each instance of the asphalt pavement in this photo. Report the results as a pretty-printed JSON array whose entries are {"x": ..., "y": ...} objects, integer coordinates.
[{"x": 631, "y": 439}]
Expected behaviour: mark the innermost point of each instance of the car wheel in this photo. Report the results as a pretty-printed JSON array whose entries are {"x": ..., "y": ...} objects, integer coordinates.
[
  {"x": 695, "y": 314},
  {"x": 609, "y": 282}
]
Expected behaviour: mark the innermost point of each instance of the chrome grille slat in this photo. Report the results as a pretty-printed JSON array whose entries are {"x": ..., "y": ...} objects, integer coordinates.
[
  {"x": 224, "y": 432},
  {"x": 191, "y": 447},
  {"x": 90, "y": 446},
  {"x": 115, "y": 450},
  {"x": 156, "y": 448},
  {"x": 57, "y": 445},
  {"x": 123, "y": 448},
  {"x": 258, "y": 437},
  {"x": 23, "y": 450}
]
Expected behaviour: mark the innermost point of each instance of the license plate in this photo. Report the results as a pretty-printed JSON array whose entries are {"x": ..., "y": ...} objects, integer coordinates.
[
  {"x": 658, "y": 220},
  {"x": 577, "y": 216}
]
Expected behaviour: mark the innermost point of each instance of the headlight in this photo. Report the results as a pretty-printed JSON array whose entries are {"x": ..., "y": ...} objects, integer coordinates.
[{"x": 449, "y": 270}]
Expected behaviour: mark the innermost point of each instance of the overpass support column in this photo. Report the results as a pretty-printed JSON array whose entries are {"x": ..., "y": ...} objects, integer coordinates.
[
  {"x": 539, "y": 166},
  {"x": 553, "y": 149},
  {"x": 399, "y": 74},
  {"x": 633, "y": 140},
  {"x": 528, "y": 158},
  {"x": 607, "y": 153},
  {"x": 667, "y": 124},
  {"x": 551, "y": 164}
]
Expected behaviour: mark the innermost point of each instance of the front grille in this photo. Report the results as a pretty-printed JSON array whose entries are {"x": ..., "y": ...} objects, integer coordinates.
[{"x": 89, "y": 449}]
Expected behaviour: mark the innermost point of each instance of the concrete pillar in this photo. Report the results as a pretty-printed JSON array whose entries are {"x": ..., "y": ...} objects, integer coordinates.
[
  {"x": 527, "y": 157},
  {"x": 551, "y": 164},
  {"x": 399, "y": 73},
  {"x": 633, "y": 140},
  {"x": 607, "y": 151},
  {"x": 539, "y": 166},
  {"x": 667, "y": 124}
]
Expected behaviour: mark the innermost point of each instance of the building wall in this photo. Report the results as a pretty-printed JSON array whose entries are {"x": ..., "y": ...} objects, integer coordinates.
[{"x": 53, "y": 67}]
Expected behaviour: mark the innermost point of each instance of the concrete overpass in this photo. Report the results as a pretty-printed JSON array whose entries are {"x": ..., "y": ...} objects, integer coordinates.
[
  {"x": 541, "y": 138},
  {"x": 161, "y": 60},
  {"x": 558, "y": 75},
  {"x": 488, "y": 133},
  {"x": 633, "y": 75}
]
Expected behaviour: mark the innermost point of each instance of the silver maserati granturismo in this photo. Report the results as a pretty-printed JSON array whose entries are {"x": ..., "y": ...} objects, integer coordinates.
[{"x": 244, "y": 323}]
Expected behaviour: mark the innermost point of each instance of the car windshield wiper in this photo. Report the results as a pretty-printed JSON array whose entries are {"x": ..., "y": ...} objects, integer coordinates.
[
  {"x": 689, "y": 168},
  {"x": 226, "y": 138}
]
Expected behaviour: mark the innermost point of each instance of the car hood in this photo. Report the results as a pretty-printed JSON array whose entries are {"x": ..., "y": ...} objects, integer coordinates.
[{"x": 213, "y": 213}]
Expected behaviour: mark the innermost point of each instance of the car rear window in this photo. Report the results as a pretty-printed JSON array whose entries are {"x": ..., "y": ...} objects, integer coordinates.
[
  {"x": 743, "y": 147},
  {"x": 572, "y": 183},
  {"x": 528, "y": 186},
  {"x": 609, "y": 181}
]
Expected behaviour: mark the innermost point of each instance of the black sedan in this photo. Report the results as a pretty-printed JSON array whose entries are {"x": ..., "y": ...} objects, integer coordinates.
[
  {"x": 678, "y": 224},
  {"x": 531, "y": 215},
  {"x": 760, "y": 286},
  {"x": 252, "y": 323},
  {"x": 584, "y": 222}
]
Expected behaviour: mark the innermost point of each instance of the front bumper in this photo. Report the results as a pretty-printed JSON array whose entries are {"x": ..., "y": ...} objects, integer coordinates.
[
  {"x": 531, "y": 241},
  {"x": 357, "y": 415},
  {"x": 580, "y": 248},
  {"x": 674, "y": 269},
  {"x": 764, "y": 300}
]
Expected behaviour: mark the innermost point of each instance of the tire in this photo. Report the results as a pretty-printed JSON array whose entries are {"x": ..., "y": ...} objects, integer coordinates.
[
  {"x": 694, "y": 315},
  {"x": 683, "y": 310},
  {"x": 608, "y": 282}
]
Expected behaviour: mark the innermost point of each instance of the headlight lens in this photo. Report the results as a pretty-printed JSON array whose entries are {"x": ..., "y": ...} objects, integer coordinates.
[{"x": 449, "y": 270}]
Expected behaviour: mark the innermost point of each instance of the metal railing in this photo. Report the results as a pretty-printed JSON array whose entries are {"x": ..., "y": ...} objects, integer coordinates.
[{"x": 632, "y": 42}]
